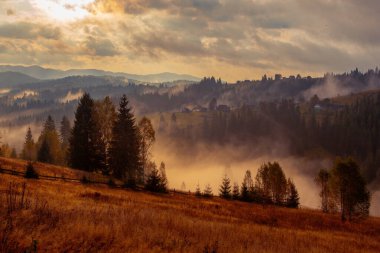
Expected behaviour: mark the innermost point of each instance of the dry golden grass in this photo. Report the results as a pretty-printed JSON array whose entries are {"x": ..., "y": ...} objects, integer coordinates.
[{"x": 71, "y": 217}]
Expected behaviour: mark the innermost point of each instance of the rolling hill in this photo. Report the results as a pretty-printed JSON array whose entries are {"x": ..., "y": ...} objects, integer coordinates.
[
  {"x": 10, "y": 78},
  {"x": 65, "y": 216}
]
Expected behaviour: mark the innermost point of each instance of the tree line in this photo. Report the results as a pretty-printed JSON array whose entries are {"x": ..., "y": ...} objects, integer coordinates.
[
  {"x": 351, "y": 130},
  {"x": 270, "y": 186}
]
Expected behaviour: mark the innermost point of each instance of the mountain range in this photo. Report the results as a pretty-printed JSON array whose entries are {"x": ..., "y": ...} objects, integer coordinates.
[{"x": 39, "y": 72}]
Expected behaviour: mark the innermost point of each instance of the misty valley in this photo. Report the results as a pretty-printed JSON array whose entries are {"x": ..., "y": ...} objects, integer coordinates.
[
  {"x": 197, "y": 126},
  {"x": 208, "y": 128}
]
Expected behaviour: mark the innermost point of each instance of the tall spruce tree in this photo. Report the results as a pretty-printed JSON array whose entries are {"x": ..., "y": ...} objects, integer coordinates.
[
  {"x": 235, "y": 192},
  {"x": 207, "y": 191},
  {"x": 86, "y": 150},
  {"x": 225, "y": 188},
  {"x": 29, "y": 148},
  {"x": 125, "y": 160},
  {"x": 49, "y": 148},
  {"x": 105, "y": 114}
]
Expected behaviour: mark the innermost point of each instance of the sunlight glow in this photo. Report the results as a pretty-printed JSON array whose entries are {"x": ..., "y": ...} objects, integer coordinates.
[{"x": 63, "y": 10}]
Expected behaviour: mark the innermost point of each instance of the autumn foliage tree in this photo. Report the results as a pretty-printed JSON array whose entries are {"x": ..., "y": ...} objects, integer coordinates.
[
  {"x": 349, "y": 187},
  {"x": 147, "y": 138}
]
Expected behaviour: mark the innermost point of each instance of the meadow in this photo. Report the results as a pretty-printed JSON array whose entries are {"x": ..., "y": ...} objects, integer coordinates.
[{"x": 64, "y": 216}]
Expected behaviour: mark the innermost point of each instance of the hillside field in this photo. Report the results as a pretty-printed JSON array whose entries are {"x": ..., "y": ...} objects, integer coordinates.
[{"x": 64, "y": 216}]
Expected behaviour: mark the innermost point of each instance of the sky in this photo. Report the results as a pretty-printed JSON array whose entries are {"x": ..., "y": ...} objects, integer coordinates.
[{"x": 231, "y": 39}]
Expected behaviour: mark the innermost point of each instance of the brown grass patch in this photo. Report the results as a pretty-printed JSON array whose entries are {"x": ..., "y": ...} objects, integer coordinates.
[{"x": 72, "y": 217}]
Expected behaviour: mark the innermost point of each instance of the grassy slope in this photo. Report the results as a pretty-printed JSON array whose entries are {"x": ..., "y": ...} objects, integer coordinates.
[{"x": 67, "y": 216}]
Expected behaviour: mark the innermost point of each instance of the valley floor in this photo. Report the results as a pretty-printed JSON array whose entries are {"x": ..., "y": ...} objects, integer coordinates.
[{"x": 58, "y": 216}]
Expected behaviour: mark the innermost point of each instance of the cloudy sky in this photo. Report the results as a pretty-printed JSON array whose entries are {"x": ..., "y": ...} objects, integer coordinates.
[{"x": 233, "y": 39}]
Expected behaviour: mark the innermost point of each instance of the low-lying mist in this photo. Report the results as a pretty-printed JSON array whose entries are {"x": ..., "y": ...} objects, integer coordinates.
[{"x": 205, "y": 164}]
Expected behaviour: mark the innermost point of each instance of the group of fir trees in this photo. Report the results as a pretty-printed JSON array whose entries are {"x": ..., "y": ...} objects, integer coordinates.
[
  {"x": 112, "y": 142},
  {"x": 271, "y": 187},
  {"x": 102, "y": 140},
  {"x": 343, "y": 189},
  {"x": 207, "y": 192},
  {"x": 51, "y": 146}
]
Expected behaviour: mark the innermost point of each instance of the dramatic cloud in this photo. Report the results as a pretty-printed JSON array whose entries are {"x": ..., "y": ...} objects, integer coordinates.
[{"x": 232, "y": 39}]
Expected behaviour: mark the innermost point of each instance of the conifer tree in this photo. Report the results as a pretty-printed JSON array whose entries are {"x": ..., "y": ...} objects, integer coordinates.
[
  {"x": 65, "y": 133},
  {"x": 198, "y": 192},
  {"x": 49, "y": 150},
  {"x": 29, "y": 148},
  {"x": 14, "y": 153},
  {"x": 207, "y": 191},
  {"x": 44, "y": 152},
  {"x": 105, "y": 115},
  {"x": 125, "y": 160},
  {"x": 153, "y": 182},
  {"x": 235, "y": 192},
  {"x": 86, "y": 150},
  {"x": 292, "y": 200},
  {"x": 30, "y": 172},
  {"x": 225, "y": 188}
]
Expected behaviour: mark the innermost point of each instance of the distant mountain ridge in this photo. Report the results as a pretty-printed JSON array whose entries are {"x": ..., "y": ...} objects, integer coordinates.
[
  {"x": 10, "y": 78},
  {"x": 39, "y": 72}
]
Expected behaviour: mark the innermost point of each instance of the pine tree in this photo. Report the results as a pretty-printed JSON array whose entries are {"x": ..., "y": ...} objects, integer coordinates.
[
  {"x": 292, "y": 200},
  {"x": 153, "y": 182},
  {"x": 86, "y": 150},
  {"x": 29, "y": 147},
  {"x": 235, "y": 192},
  {"x": 30, "y": 172},
  {"x": 105, "y": 115},
  {"x": 207, "y": 191},
  {"x": 14, "y": 153},
  {"x": 198, "y": 192},
  {"x": 49, "y": 148},
  {"x": 125, "y": 160},
  {"x": 44, "y": 152},
  {"x": 65, "y": 133},
  {"x": 225, "y": 188}
]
